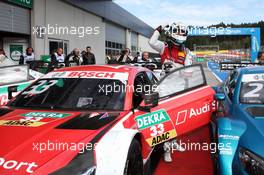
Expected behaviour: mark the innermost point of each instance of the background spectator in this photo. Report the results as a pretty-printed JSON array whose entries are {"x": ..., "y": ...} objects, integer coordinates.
[
  {"x": 261, "y": 57},
  {"x": 28, "y": 56},
  {"x": 125, "y": 56},
  {"x": 2, "y": 55},
  {"x": 88, "y": 56},
  {"x": 56, "y": 58},
  {"x": 137, "y": 57},
  {"x": 74, "y": 58},
  {"x": 145, "y": 56}
]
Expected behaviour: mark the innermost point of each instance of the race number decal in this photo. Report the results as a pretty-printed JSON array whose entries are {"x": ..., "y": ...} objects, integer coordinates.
[
  {"x": 156, "y": 127},
  {"x": 255, "y": 93},
  {"x": 252, "y": 92},
  {"x": 41, "y": 87},
  {"x": 157, "y": 130}
]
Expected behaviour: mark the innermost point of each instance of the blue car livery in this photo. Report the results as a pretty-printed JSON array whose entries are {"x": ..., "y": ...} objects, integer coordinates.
[{"x": 240, "y": 124}]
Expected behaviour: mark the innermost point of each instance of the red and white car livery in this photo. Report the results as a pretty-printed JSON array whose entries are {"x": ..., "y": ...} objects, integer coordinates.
[{"x": 87, "y": 120}]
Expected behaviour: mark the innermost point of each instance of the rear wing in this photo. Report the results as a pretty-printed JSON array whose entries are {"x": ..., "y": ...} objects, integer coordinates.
[{"x": 236, "y": 65}]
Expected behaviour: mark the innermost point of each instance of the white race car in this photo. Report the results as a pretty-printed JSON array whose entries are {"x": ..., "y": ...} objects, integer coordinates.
[{"x": 20, "y": 76}]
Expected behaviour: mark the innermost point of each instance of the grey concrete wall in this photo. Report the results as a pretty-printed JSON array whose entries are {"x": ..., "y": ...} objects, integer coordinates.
[{"x": 60, "y": 14}]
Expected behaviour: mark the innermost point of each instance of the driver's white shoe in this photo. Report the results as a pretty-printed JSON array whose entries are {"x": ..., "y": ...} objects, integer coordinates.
[
  {"x": 167, "y": 152},
  {"x": 167, "y": 157}
]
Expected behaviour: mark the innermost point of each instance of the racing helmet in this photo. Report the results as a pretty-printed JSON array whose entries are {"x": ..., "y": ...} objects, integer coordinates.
[{"x": 177, "y": 33}]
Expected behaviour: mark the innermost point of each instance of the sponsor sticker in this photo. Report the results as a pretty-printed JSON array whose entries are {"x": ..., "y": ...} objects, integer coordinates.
[
  {"x": 156, "y": 127},
  {"x": 46, "y": 114},
  {"x": 88, "y": 74},
  {"x": 161, "y": 138},
  {"x": 152, "y": 118},
  {"x": 21, "y": 123},
  {"x": 183, "y": 116},
  {"x": 17, "y": 166},
  {"x": 252, "y": 77}
]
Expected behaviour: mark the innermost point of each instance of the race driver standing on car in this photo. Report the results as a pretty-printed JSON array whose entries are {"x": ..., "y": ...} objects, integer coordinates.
[{"x": 173, "y": 51}]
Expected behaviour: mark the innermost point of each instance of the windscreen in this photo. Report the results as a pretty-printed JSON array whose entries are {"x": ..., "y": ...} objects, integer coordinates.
[
  {"x": 252, "y": 89},
  {"x": 71, "y": 93}
]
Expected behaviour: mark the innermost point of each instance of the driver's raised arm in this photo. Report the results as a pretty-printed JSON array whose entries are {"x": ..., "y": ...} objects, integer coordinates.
[{"x": 154, "y": 41}]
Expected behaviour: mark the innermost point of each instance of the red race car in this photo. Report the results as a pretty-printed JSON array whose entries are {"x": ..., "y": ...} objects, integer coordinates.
[{"x": 100, "y": 119}]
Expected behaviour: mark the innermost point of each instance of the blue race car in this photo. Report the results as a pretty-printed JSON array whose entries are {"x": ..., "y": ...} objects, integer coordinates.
[{"x": 240, "y": 122}]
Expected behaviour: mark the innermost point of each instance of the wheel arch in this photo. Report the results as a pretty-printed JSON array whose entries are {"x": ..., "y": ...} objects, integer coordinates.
[{"x": 112, "y": 151}]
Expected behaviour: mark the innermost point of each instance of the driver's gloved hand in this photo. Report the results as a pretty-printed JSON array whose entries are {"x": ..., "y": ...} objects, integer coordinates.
[
  {"x": 162, "y": 27},
  {"x": 159, "y": 29}
]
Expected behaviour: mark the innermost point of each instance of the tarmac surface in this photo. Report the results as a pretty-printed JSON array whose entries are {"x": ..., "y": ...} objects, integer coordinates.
[{"x": 210, "y": 77}]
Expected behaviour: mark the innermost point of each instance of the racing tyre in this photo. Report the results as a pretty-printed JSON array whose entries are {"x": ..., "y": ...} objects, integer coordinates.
[{"x": 134, "y": 162}]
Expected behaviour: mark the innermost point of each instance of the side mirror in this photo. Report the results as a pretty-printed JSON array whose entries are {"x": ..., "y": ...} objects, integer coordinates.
[
  {"x": 11, "y": 90},
  {"x": 220, "y": 97},
  {"x": 151, "y": 100}
]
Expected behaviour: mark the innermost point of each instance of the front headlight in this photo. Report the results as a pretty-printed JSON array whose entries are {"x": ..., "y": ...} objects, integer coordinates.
[{"x": 253, "y": 164}]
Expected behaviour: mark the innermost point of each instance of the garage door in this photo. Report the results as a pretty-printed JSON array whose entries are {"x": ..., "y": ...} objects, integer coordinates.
[
  {"x": 14, "y": 19},
  {"x": 115, "y": 39},
  {"x": 115, "y": 33}
]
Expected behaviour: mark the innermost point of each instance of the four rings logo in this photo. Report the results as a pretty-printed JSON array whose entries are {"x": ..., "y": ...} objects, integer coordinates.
[{"x": 193, "y": 112}]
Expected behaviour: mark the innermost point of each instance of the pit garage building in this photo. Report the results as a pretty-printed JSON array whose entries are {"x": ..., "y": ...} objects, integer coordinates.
[{"x": 109, "y": 27}]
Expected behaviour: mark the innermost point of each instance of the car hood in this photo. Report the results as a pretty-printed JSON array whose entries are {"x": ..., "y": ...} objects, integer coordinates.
[
  {"x": 253, "y": 116},
  {"x": 49, "y": 139}
]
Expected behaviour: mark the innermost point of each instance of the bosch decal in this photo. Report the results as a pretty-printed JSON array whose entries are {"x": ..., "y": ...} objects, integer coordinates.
[{"x": 88, "y": 74}]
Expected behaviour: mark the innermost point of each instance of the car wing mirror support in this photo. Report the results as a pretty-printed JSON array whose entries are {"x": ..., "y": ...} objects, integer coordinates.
[
  {"x": 151, "y": 100},
  {"x": 220, "y": 98},
  {"x": 11, "y": 90}
]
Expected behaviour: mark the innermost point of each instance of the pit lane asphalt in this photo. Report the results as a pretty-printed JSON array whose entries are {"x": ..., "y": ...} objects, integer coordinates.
[{"x": 210, "y": 77}]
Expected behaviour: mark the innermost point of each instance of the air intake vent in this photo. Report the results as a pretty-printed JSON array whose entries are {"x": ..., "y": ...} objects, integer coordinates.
[
  {"x": 4, "y": 111},
  {"x": 257, "y": 111},
  {"x": 89, "y": 121}
]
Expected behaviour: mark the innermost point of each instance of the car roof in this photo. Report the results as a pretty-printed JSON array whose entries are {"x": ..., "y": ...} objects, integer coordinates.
[
  {"x": 252, "y": 70},
  {"x": 108, "y": 68}
]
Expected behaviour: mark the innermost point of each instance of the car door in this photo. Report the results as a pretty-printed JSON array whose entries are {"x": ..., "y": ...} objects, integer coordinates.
[{"x": 186, "y": 102}]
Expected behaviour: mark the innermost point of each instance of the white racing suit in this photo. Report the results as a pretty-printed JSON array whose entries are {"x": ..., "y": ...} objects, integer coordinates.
[
  {"x": 171, "y": 56},
  {"x": 178, "y": 59}
]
